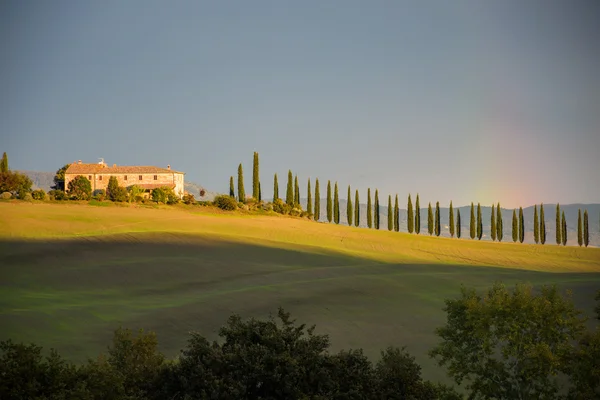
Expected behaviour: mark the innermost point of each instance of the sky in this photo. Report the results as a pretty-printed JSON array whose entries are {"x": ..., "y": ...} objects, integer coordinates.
[{"x": 470, "y": 101}]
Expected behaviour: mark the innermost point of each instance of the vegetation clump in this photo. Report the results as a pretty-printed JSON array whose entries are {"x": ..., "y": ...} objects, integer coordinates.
[{"x": 226, "y": 203}]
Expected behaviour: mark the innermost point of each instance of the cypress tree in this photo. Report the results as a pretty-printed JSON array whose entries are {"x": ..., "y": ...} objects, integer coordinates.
[
  {"x": 296, "y": 192},
  {"x": 231, "y": 188},
  {"x": 493, "y": 224},
  {"x": 451, "y": 220},
  {"x": 438, "y": 227},
  {"x": 336, "y": 205},
  {"x": 329, "y": 203},
  {"x": 259, "y": 192},
  {"x": 586, "y": 229},
  {"x": 376, "y": 210},
  {"x": 241, "y": 192},
  {"x": 410, "y": 217},
  {"x": 356, "y": 210},
  {"x": 289, "y": 194},
  {"x": 472, "y": 223},
  {"x": 564, "y": 229},
  {"x": 349, "y": 209},
  {"x": 390, "y": 215},
  {"x": 558, "y": 226},
  {"x": 515, "y": 227},
  {"x": 255, "y": 180},
  {"x": 317, "y": 201},
  {"x": 369, "y": 211},
  {"x": 430, "y": 220},
  {"x": 479, "y": 223},
  {"x": 4, "y": 163},
  {"x": 542, "y": 225},
  {"x": 417, "y": 216},
  {"x": 499, "y": 223},
  {"x": 309, "y": 199},
  {"x": 275, "y": 189},
  {"x": 458, "y": 225},
  {"x": 396, "y": 216},
  {"x": 579, "y": 230},
  {"x": 521, "y": 225},
  {"x": 536, "y": 226}
]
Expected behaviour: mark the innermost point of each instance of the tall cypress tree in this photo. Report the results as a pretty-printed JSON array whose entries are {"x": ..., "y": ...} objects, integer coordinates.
[
  {"x": 309, "y": 199},
  {"x": 542, "y": 225},
  {"x": 356, "y": 210},
  {"x": 521, "y": 225},
  {"x": 451, "y": 220},
  {"x": 438, "y": 226},
  {"x": 515, "y": 227},
  {"x": 493, "y": 224},
  {"x": 536, "y": 225},
  {"x": 241, "y": 192},
  {"x": 369, "y": 211},
  {"x": 259, "y": 192},
  {"x": 564, "y": 229},
  {"x": 317, "y": 201},
  {"x": 329, "y": 203},
  {"x": 586, "y": 229},
  {"x": 296, "y": 192},
  {"x": 336, "y": 205},
  {"x": 458, "y": 225},
  {"x": 255, "y": 179},
  {"x": 558, "y": 226},
  {"x": 396, "y": 215},
  {"x": 479, "y": 222},
  {"x": 579, "y": 230},
  {"x": 410, "y": 217},
  {"x": 231, "y": 188},
  {"x": 417, "y": 216},
  {"x": 430, "y": 220},
  {"x": 289, "y": 194},
  {"x": 275, "y": 189},
  {"x": 472, "y": 222},
  {"x": 390, "y": 214},
  {"x": 499, "y": 223},
  {"x": 349, "y": 209},
  {"x": 376, "y": 210},
  {"x": 4, "y": 163}
]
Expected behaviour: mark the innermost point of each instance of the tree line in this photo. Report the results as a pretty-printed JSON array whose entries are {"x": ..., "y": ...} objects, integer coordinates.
[
  {"x": 521, "y": 344},
  {"x": 353, "y": 217}
]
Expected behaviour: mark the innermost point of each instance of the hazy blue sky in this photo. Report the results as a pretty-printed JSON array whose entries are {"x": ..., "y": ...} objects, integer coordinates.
[{"x": 465, "y": 100}]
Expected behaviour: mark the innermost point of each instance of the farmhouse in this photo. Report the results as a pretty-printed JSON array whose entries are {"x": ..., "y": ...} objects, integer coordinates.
[{"x": 146, "y": 177}]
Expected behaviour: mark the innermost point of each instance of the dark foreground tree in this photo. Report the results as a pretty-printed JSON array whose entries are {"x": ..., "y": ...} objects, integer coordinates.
[
  {"x": 390, "y": 214},
  {"x": 509, "y": 344},
  {"x": 336, "y": 205},
  {"x": 59, "y": 178},
  {"x": 458, "y": 224},
  {"x": 493, "y": 224},
  {"x": 255, "y": 177},
  {"x": 410, "y": 216},
  {"x": 376, "y": 210},
  {"x": 438, "y": 225},
  {"x": 542, "y": 225},
  {"x": 309, "y": 209},
  {"x": 586, "y": 229},
  {"x": 349, "y": 209},
  {"x": 329, "y": 203},
  {"x": 369, "y": 209},
  {"x": 429, "y": 220},
  {"x": 317, "y": 201},
  {"x": 564, "y": 229},
  {"x": 558, "y": 226},
  {"x": 499, "y": 223},
  {"x": 579, "y": 229},
  {"x": 289, "y": 193},
  {"x": 417, "y": 216},
  {"x": 275, "y": 189},
  {"x": 536, "y": 226},
  {"x": 396, "y": 215},
  {"x": 472, "y": 223},
  {"x": 356, "y": 209},
  {"x": 232, "y": 188},
  {"x": 479, "y": 222},
  {"x": 241, "y": 192},
  {"x": 80, "y": 188},
  {"x": 521, "y": 225},
  {"x": 451, "y": 220},
  {"x": 515, "y": 227}
]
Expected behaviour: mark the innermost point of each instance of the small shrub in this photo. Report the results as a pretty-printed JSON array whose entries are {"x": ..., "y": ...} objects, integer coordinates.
[
  {"x": 139, "y": 198},
  {"x": 26, "y": 197},
  {"x": 159, "y": 195},
  {"x": 38, "y": 194},
  {"x": 6, "y": 196},
  {"x": 134, "y": 192},
  {"x": 189, "y": 199},
  {"x": 205, "y": 203},
  {"x": 99, "y": 194},
  {"x": 280, "y": 207},
  {"x": 225, "y": 203},
  {"x": 57, "y": 194},
  {"x": 119, "y": 194}
]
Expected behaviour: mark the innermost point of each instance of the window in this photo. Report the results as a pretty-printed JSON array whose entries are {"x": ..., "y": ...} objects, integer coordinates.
[
  {"x": 100, "y": 177},
  {"x": 140, "y": 177},
  {"x": 89, "y": 177},
  {"x": 155, "y": 177},
  {"x": 125, "y": 178}
]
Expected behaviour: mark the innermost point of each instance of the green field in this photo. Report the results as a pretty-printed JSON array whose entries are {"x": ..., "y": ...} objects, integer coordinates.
[{"x": 70, "y": 274}]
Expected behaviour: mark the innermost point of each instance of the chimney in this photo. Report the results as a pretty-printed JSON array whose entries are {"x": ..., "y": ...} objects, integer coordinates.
[
  {"x": 79, "y": 162},
  {"x": 169, "y": 166},
  {"x": 114, "y": 165}
]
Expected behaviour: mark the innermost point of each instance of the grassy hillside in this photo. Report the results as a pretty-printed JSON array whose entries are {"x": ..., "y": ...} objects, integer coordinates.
[{"x": 72, "y": 273}]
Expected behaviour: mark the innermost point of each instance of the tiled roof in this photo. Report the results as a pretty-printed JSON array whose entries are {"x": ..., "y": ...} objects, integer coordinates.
[
  {"x": 150, "y": 186},
  {"x": 99, "y": 168}
]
